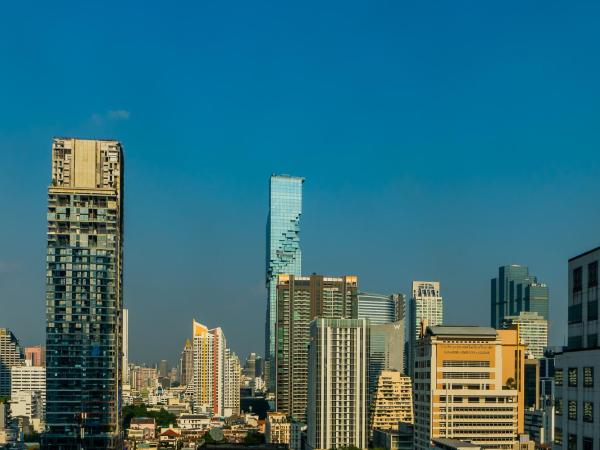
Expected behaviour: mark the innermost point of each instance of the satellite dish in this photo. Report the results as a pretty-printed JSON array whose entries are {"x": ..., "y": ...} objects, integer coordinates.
[{"x": 216, "y": 434}]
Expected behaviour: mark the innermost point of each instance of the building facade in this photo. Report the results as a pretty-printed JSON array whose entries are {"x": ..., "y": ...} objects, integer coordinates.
[
  {"x": 209, "y": 364},
  {"x": 84, "y": 298},
  {"x": 337, "y": 406},
  {"x": 577, "y": 369},
  {"x": 36, "y": 355},
  {"x": 533, "y": 331},
  {"x": 186, "y": 364},
  {"x": 231, "y": 384},
  {"x": 426, "y": 308},
  {"x": 515, "y": 290},
  {"x": 379, "y": 308},
  {"x": 386, "y": 350},
  {"x": 283, "y": 255},
  {"x": 11, "y": 355},
  {"x": 300, "y": 300},
  {"x": 469, "y": 385},
  {"x": 277, "y": 428},
  {"x": 31, "y": 379},
  {"x": 392, "y": 403}
]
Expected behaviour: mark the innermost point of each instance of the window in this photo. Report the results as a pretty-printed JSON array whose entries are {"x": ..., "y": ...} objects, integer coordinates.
[
  {"x": 572, "y": 376},
  {"x": 593, "y": 274},
  {"x": 577, "y": 279},
  {"x": 572, "y": 410},
  {"x": 588, "y": 377},
  {"x": 558, "y": 406},
  {"x": 588, "y": 412},
  {"x": 558, "y": 436},
  {"x": 558, "y": 377},
  {"x": 588, "y": 443},
  {"x": 572, "y": 442}
]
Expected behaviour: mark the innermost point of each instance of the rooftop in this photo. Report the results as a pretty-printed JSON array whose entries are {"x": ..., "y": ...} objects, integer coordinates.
[
  {"x": 461, "y": 330},
  {"x": 455, "y": 443},
  {"x": 584, "y": 254}
]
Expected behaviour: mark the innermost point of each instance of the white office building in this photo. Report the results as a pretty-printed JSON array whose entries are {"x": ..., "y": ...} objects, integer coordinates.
[
  {"x": 29, "y": 379},
  {"x": 533, "y": 331}
]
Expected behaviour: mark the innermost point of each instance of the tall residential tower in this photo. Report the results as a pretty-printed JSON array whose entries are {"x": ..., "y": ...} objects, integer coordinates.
[
  {"x": 84, "y": 297},
  {"x": 283, "y": 250}
]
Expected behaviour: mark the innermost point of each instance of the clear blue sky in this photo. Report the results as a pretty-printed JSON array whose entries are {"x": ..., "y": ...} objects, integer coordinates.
[{"x": 439, "y": 140}]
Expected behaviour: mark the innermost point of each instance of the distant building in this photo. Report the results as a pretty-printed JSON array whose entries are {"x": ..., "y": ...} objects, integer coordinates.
[
  {"x": 392, "y": 402},
  {"x": 531, "y": 383},
  {"x": 533, "y": 331},
  {"x": 337, "y": 390},
  {"x": 11, "y": 355},
  {"x": 231, "y": 384},
  {"x": 209, "y": 360},
  {"x": 277, "y": 429},
  {"x": 454, "y": 444},
  {"x": 426, "y": 308},
  {"x": 250, "y": 366},
  {"x": 577, "y": 369},
  {"x": 299, "y": 300},
  {"x": 163, "y": 368},
  {"x": 30, "y": 379},
  {"x": 142, "y": 428},
  {"x": 284, "y": 255},
  {"x": 469, "y": 385},
  {"x": 379, "y": 308},
  {"x": 125, "y": 358},
  {"x": 386, "y": 350},
  {"x": 186, "y": 364},
  {"x": 515, "y": 290},
  {"x": 36, "y": 355}
]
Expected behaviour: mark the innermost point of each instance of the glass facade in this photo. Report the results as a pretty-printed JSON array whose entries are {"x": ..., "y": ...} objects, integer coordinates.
[
  {"x": 84, "y": 296},
  {"x": 380, "y": 309},
  {"x": 515, "y": 290},
  {"x": 283, "y": 248}
]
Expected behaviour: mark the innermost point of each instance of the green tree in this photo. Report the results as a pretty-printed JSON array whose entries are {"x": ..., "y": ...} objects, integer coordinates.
[
  {"x": 163, "y": 417},
  {"x": 254, "y": 438}
]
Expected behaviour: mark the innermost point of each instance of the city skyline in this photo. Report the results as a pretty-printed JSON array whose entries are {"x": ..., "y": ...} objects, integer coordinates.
[{"x": 427, "y": 156}]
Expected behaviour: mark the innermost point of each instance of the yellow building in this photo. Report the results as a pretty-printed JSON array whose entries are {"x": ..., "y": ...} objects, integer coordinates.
[
  {"x": 277, "y": 428},
  {"x": 469, "y": 386},
  {"x": 392, "y": 402}
]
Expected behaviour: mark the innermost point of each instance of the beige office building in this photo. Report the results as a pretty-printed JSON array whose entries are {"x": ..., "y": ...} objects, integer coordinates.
[
  {"x": 392, "y": 401},
  {"x": 469, "y": 386},
  {"x": 277, "y": 428}
]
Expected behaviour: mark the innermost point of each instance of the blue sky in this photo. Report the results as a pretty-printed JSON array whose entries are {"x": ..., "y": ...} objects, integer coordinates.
[{"x": 439, "y": 140}]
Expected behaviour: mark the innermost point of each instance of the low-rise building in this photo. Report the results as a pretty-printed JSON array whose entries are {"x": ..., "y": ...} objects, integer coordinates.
[
  {"x": 142, "y": 428},
  {"x": 277, "y": 430},
  {"x": 392, "y": 401}
]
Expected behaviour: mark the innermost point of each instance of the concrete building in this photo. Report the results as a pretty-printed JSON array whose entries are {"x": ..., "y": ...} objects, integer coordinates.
[
  {"x": 401, "y": 439},
  {"x": 250, "y": 366},
  {"x": 11, "y": 355},
  {"x": 577, "y": 402},
  {"x": 84, "y": 298},
  {"x": 209, "y": 364},
  {"x": 125, "y": 359},
  {"x": 284, "y": 255},
  {"x": 469, "y": 386},
  {"x": 337, "y": 390},
  {"x": 426, "y": 308},
  {"x": 30, "y": 379},
  {"x": 231, "y": 384},
  {"x": 301, "y": 299},
  {"x": 533, "y": 331},
  {"x": 36, "y": 355},
  {"x": 392, "y": 402},
  {"x": 186, "y": 364},
  {"x": 515, "y": 290},
  {"x": 277, "y": 430}
]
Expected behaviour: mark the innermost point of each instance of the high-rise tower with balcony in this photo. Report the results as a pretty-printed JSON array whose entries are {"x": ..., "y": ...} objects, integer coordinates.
[{"x": 84, "y": 296}]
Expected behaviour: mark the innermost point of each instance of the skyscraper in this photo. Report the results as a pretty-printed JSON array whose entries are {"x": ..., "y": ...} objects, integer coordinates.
[
  {"x": 125, "y": 363},
  {"x": 231, "y": 384},
  {"x": 469, "y": 385},
  {"x": 337, "y": 387},
  {"x": 186, "y": 364},
  {"x": 425, "y": 309},
  {"x": 283, "y": 250},
  {"x": 11, "y": 355},
  {"x": 209, "y": 361},
  {"x": 533, "y": 331},
  {"x": 84, "y": 297},
  {"x": 379, "y": 308},
  {"x": 163, "y": 368},
  {"x": 250, "y": 366},
  {"x": 386, "y": 350},
  {"x": 300, "y": 300},
  {"x": 515, "y": 290}
]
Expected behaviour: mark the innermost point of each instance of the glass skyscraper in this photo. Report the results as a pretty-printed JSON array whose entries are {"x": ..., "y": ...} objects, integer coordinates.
[
  {"x": 84, "y": 299},
  {"x": 379, "y": 308},
  {"x": 515, "y": 290},
  {"x": 283, "y": 255}
]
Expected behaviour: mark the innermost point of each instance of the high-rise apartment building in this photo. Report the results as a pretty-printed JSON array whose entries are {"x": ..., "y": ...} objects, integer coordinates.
[
  {"x": 425, "y": 309},
  {"x": 337, "y": 388},
  {"x": 392, "y": 402},
  {"x": 186, "y": 364},
  {"x": 468, "y": 385},
  {"x": 299, "y": 300},
  {"x": 283, "y": 250},
  {"x": 231, "y": 384},
  {"x": 209, "y": 361},
  {"x": 515, "y": 290},
  {"x": 125, "y": 362},
  {"x": 84, "y": 297},
  {"x": 11, "y": 355},
  {"x": 577, "y": 369},
  {"x": 533, "y": 331},
  {"x": 31, "y": 379},
  {"x": 36, "y": 355},
  {"x": 379, "y": 308}
]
